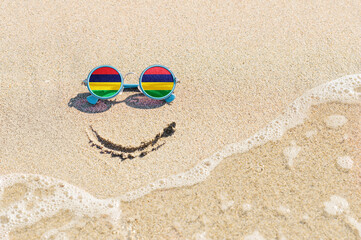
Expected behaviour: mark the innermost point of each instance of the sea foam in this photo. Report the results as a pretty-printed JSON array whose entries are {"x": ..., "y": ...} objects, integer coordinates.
[
  {"x": 339, "y": 90},
  {"x": 335, "y": 121},
  {"x": 345, "y": 162},
  {"x": 44, "y": 197},
  {"x": 67, "y": 197}
]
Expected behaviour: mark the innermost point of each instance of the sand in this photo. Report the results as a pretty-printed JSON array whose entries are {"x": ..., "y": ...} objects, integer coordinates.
[
  {"x": 240, "y": 64},
  {"x": 284, "y": 201}
]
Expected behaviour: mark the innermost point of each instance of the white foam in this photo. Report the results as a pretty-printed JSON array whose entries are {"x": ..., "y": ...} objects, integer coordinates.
[
  {"x": 311, "y": 133},
  {"x": 335, "y": 121},
  {"x": 246, "y": 207},
  {"x": 345, "y": 137},
  {"x": 69, "y": 197},
  {"x": 282, "y": 210},
  {"x": 355, "y": 224},
  {"x": 336, "y": 205},
  {"x": 282, "y": 237},
  {"x": 201, "y": 236},
  {"x": 58, "y": 233},
  {"x": 291, "y": 153},
  {"x": 339, "y": 205},
  {"x": 305, "y": 217},
  {"x": 225, "y": 202},
  {"x": 345, "y": 162},
  {"x": 60, "y": 196},
  {"x": 339, "y": 90},
  {"x": 254, "y": 236}
]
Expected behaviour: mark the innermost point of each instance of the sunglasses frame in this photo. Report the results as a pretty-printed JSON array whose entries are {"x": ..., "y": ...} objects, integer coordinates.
[{"x": 93, "y": 98}]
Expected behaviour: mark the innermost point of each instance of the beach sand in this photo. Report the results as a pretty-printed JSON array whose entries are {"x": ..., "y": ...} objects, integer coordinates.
[
  {"x": 240, "y": 65},
  {"x": 259, "y": 191}
]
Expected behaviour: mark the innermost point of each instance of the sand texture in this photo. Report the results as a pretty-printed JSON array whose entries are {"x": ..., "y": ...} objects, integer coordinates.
[{"x": 240, "y": 64}]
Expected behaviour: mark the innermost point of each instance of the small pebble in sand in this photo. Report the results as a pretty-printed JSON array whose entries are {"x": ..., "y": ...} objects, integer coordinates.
[
  {"x": 336, "y": 205},
  {"x": 291, "y": 153},
  {"x": 345, "y": 162},
  {"x": 254, "y": 236},
  {"x": 335, "y": 121},
  {"x": 311, "y": 133}
]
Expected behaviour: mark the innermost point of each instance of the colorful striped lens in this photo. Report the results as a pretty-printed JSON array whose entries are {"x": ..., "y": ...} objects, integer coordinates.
[
  {"x": 105, "y": 82},
  {"x": 157, "y": 82}
]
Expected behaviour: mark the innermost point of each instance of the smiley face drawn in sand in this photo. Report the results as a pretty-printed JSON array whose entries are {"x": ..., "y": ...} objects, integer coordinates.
[
  {"x": 117, "y": 150},
  {"x": 129, "y": 152},
  {"x": 107, "y": 146}
]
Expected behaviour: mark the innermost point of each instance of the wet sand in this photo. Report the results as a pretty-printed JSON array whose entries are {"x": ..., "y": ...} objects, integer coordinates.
[
  {"x": 240, "y": 64},
  {"x": 257, "y": 193}
]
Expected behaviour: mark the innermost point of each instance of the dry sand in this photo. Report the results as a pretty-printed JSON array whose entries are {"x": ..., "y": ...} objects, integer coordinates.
[{"x": 240, "y": 64}]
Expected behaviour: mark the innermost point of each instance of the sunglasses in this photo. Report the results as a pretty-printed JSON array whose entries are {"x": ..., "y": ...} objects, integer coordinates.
[{"x": 156, "y": 82}]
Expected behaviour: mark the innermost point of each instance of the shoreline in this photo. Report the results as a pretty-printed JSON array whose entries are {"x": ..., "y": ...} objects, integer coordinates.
[{"x": 295, "y": 116}]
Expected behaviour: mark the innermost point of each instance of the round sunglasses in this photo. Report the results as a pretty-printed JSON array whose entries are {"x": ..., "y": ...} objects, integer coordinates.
[{"x": 156, "y": 82}]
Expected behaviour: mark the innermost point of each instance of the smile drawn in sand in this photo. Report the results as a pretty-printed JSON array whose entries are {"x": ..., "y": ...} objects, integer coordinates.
[{"x": 129, "y": 152}]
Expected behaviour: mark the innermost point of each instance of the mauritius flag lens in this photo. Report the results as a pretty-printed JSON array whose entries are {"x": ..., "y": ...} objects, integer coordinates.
[
  {"x": 105, "y": 82},
  {"x": 157, "y": 82}
]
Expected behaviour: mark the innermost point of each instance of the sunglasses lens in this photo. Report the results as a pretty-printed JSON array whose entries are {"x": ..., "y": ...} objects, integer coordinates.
[
  {"x": 105, "y": 82},
  {"x": 157, "y": 82}
]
